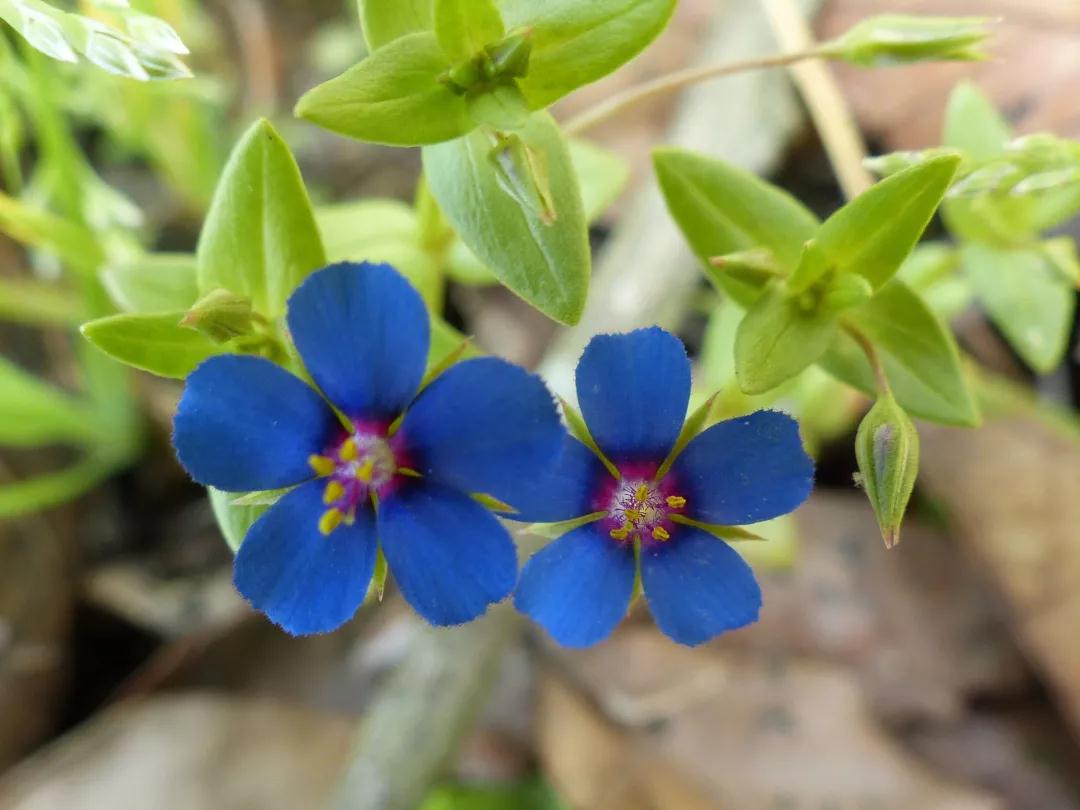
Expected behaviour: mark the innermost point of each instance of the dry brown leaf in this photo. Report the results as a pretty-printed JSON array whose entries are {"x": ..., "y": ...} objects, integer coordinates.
[
  {"x": 1033, "y": 74},
  {"x": 1011, "y": 489},
  {"x": 748, "y": 731},
  {"x": 193, "y": 752}
]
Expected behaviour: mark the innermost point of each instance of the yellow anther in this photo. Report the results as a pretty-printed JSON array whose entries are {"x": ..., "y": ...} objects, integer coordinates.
[
  {"x": 333, "y": 491},
  {"x": 633, "y": 515},
  {"x": 621, "y": 533},
  {"x": 642, "y": 494},
  {"x": 660, "y": 533},
  {"x": 348, "y": 451},
  {"x": 330, "y": 520},
  {"x": 676, "y": 501},
  {"x": 366, "y": 471},
  {"x": 321, "y": 464}
]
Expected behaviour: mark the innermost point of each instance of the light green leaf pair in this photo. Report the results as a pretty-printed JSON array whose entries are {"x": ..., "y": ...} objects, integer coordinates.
[
  {"x": 796, "y": 321},
  {"x": 259, "y": 242},
  {"x": 403, "y": 93},
  {"x": 543, "y": 256}
]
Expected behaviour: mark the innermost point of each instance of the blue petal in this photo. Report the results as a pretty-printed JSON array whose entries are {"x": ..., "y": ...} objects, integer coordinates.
[
  {"x": 485, "y": 425},
  {"x": 633, "y": 390},
  {"x": 698, "y": 586},
  {"x": 562, "y": 492},
  {"x": 362, "y": 332},
  {"x": 245, "y": 424},
  {"x": 303, "y": 580},
  {"x": 744, "y": 470},
  {"x": 450, "y": 556},
  {"x": 578, "y": 588}
]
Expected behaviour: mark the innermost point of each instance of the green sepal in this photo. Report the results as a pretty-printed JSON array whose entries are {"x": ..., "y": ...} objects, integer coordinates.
[
  {"x": 693, "y": 425},
  {"x": 729, "y": 533},
  {"x": 551, "y": 531},
  {"x": 378, "y": 577},
  {"x": 575, "y": 422},
  {"x": 900, "y": 39},
  {"x": 234, "y": 521}
]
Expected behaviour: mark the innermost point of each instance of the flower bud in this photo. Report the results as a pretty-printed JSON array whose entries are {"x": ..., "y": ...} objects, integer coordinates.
[
  {"x": 756, "y": 267},
  {"x": 509, "y": 59},
  {"x": 846, "y": 291},
  {"x": 521, "y": 171},
  {"x": 220, "y": 315},
  {"x": 897, "y": 39},
  {"x": 887, "y": 450}
]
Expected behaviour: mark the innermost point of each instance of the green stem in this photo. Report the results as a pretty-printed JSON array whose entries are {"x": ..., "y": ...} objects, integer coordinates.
[
  {"x": 677, "y": 80},
  {"x": 872, "y": 355}
]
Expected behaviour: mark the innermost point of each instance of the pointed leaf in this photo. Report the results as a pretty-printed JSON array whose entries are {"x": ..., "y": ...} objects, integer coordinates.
[
  {"x": 973, "y": 124},
  {"x": 395, "y": 96},
  {"x": 875, "y": 232},
  {"x": 156, "y": 282},
  {"x": 464, "y": 27},
  {"x": 576, "y": 43},
  {"x": 1027, "y": 296},
  {"x": 260, "y": 238},
  {"x": 919, "y": 353},
  {"x": 547, "y": 264},
  {"x": 152, "y": 342},
  {"x": 386, "y": 20}
]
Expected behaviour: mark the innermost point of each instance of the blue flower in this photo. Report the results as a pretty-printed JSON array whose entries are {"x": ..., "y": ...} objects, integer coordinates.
[
  {"x": 395, "y": 470},
  {"x": 653, "y": 517}
]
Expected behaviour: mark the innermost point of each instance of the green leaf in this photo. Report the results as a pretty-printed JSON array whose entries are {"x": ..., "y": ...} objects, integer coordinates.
[
  {"x": 32, "y": 412},
  {"x": 386, "y": 20},
  {"x": 152, "y": 342},
  {"x": 546, "y": 264},
  {"x": 973, "y": 124},
  {"x": 27, "y": 300},
  {"x": 234, "y": 521},
  {"x": 42, "y": 491},
  {"x": 779, "y": 337},
  {"x": 73, "y": 243},
  {"x": 1027, "y": 296},
  {"x": 722, "y": 209},
  {"x": 381, "y": 231},
  {"x": 551, "y": 531},
  {"x": 601, "y": 174},
  {"x": 156, "y": 282},
  {"x": 875, "y": 232},
  {"x": 575, "y": 43},
  {"x": 464, "y": 27},
  {"x": 918, "y": 352},
  {"x": 898, "y": 39},
  {"x": 395, "y": 96},
  {"x": 260, "y": 238}
]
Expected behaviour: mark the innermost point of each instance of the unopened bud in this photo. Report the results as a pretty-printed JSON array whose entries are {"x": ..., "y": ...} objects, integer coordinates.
[
  {"x": 898, "y": 39},
  {"x": 756, "y": 267},
  {"x": 887, "y": 450},
  {"x": 220, "y": 315},
  {"x": 521, "y": 171},
  {"x": 847, "y": 291},
  {"x": 509, "y": 59}
]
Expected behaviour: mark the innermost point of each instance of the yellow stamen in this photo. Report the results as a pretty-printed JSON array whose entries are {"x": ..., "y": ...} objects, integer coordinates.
[
  {"x": 321, "y": 464},
  {"x": 642, "y": 494},
  {"x": 676, "y": 501},
  {"x": 633, "y": 515},
  {"x": 660, "y": 533},
  {"x": 348, "y": 451},
  {"x": 330, "y": 520},
  {"x": 333, "y": 491},
  {"x": 366, "y": 471},
  {"x": 621, "y": 533}
]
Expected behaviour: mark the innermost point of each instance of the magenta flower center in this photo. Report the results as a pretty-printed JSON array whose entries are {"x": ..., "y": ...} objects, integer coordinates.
[
  {"x": 362, "y": 464},
  {"x": 641, "y": 509}
]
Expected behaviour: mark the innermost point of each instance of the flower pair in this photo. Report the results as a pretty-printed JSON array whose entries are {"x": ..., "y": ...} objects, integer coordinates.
[{"x": 379, "y": 461}]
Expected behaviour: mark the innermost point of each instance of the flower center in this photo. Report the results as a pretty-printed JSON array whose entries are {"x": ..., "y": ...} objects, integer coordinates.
[
  {"x": 641, "y": 509},
  {"x": 362, "y": 464}
]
